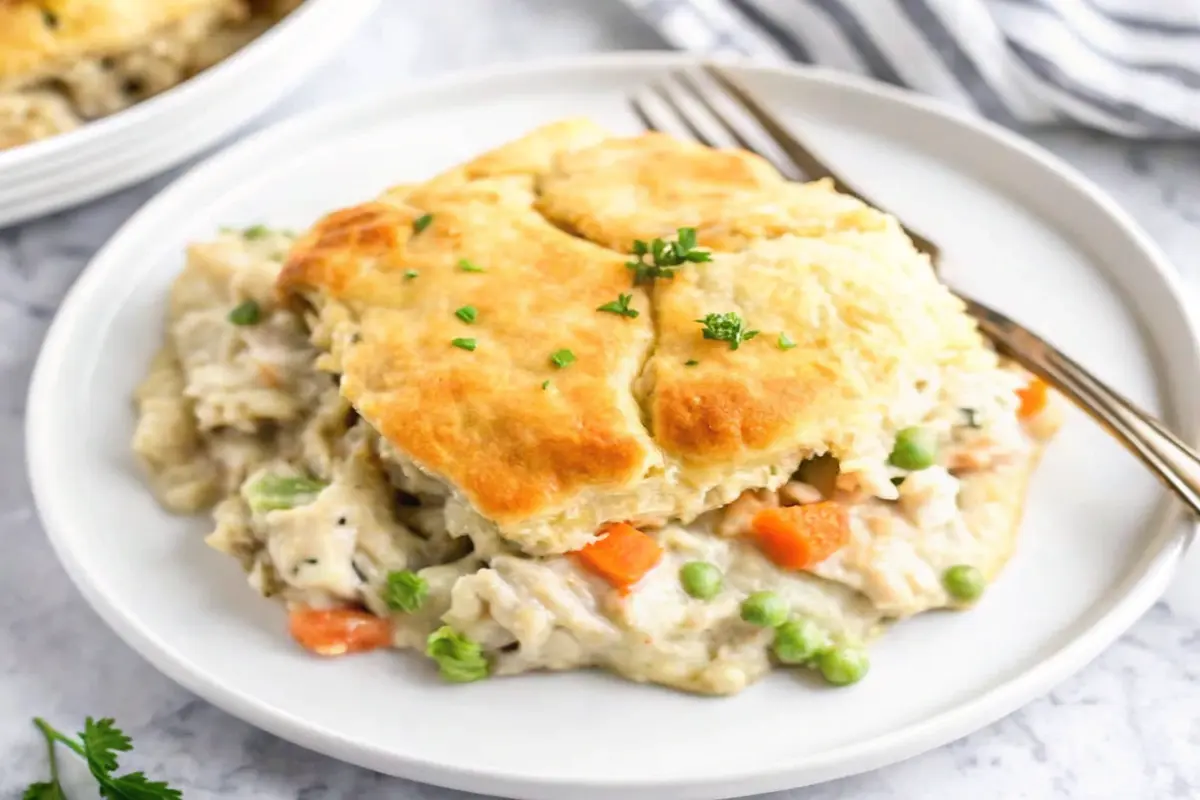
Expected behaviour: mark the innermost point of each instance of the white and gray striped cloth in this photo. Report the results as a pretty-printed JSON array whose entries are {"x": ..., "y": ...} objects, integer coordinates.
[{"x": 1129, "y": 67}]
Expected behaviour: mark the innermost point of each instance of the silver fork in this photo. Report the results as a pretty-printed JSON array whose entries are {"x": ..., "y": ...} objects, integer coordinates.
[{"x": 715, "y": 110}]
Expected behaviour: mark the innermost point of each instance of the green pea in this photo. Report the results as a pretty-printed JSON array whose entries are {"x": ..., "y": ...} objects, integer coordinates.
[
  {"x": 700, "y": 579},
  {"x": 799, "y": 641},
  {"x": 405, "y": 591},
  {"x": 915, "y": 448},
  {"x": 843, "y": 666},
  {"x": 964, "y": 582},
  {"x": 459, "y": 659},
  {"x": 765, "y": 609},
  {"x": 247, "y": 312}
]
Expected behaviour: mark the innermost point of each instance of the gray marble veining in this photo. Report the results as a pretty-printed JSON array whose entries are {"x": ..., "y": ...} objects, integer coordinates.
[{"x": 1127, "y": 726}]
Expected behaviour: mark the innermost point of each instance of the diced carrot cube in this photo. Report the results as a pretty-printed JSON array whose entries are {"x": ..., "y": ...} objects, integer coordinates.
[
  {"x": 798, "y": 537},
  {"x": 622, "y": 556},
  {"x": 1034, "y": 396},
  {"x": 337, "y": 631}
]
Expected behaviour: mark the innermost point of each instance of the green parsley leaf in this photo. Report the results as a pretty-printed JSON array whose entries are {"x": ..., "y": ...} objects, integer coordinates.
[
  {"x": 691, "y": 362},
  {"x": 726, "y": 327},
  {"x": 561, "y": 358},
  {"x": 246, "y": 312},
  {"x": 665, "y": 257},
  {"x": 103, "y": 740},
  {"x": 463, "y": 344},
  {"x": 466, "y": 266},
  {"x": 467, "y": 314},
  {"x": 620, "y": 306},
  {"x": 49, "y": 19},
  {"x": 255, "y": 232},
  {"x": 785, "y": 342},
  {"x": 409, "y": 274},
  {"x": 136, "y": 786},
  {"x": 44, "y": 790},
  {"x": 98, "y": 744},
  {"x": 406, "y": 591},
  {"x": 422, "y": 222},
  {"x": 545, "y": 385}
]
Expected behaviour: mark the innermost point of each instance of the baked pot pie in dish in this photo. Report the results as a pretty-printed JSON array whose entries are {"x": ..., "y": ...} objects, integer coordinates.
[
  {"x": 593, "y": 401},
  {"x": 64, "y": 63}
]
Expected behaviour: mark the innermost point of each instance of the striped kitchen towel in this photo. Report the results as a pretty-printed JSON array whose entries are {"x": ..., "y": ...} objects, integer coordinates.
[{"x": 1129, "y": 67}]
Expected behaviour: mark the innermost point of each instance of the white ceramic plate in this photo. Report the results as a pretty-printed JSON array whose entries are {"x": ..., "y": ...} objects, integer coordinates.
[
  {"x": 155, "y": 135},
  {"x": 1020, "y": 230}
]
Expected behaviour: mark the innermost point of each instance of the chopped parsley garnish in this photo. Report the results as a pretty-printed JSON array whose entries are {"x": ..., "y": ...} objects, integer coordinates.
[
  {"x": 409, "y": 274},
  {"x": 562, "y": 358},
  {"x": 691, "y": 362},
  {"x": 970, "y": 417},
  {"x": 247, "y": 312},
  {"x": 98, "y": 744},
  {"x": 256, "y": 232},
  {"x": 406, "y": 591},
  {"x": 665, "y": 257},
  {"x": 281, "y": 492},
  {"x": 422, "y": 222},
  {"x": 785, "y": 342},
  {"x": 50, "y": 19},
  {"x": 545, "y": 385},
  {"x": 620, "y": 306},
  {"x": 466, "y": 266},
  {"x": 727, "y": 327},
  {"x": 463, "y": 344},
  {"x": 467, "y": 314}
]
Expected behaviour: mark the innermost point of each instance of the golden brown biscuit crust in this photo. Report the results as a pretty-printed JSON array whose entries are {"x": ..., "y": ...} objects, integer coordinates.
[
  {"x": 548, "y": 218},
  {"x": 40, "y": 37},
  {"x": 857, "y": 335},
  {"x": 513, "y": 432}
]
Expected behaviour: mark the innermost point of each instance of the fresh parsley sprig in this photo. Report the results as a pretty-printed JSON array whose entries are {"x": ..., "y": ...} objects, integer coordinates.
[
  {"x": 665, "y": 257},
  {"x": 98, "y": 744},
  {"x": 620, "y": 306},
  {"x": 727, "y": 327}
]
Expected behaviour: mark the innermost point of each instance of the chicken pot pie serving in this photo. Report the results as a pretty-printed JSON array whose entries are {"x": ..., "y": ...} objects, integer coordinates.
[
  {"x": 66, "y": 62},
  {"x": 591, "y": 401}
]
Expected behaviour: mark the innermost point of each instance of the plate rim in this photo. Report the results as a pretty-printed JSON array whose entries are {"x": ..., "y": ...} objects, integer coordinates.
[{"x": 1139, "y": 590}]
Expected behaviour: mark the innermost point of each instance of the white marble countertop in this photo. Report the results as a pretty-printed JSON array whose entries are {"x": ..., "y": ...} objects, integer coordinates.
[{"x": 1128, "y": 726}]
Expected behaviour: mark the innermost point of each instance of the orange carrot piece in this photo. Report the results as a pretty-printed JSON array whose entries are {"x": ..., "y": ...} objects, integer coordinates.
[
  {"x": 798, "y": 537},
  {"x": 623, "y": 556},
  {"x": 1033, "y": 398},
  {"x": 337, "y": 631}
]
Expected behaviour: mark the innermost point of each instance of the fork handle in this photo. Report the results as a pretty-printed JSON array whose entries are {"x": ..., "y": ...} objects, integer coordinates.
[{"x": 1176, "y": 464}]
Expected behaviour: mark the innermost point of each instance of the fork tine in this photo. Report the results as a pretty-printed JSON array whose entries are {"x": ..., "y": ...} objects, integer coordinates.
[
  {"x": 800, "y": 155},
  {"x": 785, "y": 166},
  {"x": 639, "y": 109},
  {"x": 812, "y": 166},
  {"x": 668, "y": 96}
]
